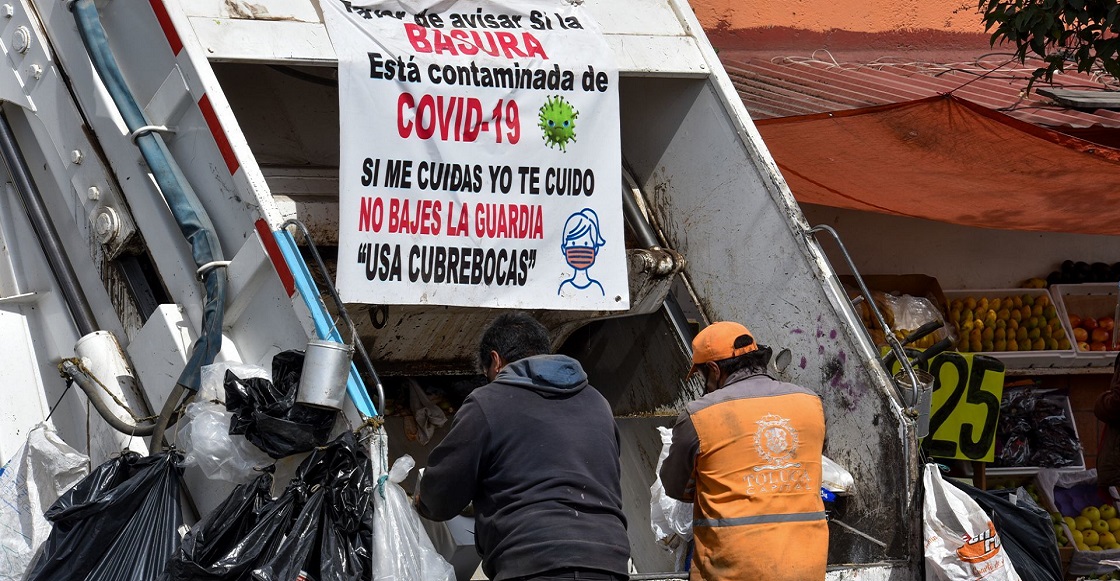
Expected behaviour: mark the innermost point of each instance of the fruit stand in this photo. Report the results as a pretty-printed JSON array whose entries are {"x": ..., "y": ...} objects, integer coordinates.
[{"x": 1042, "y": 304}]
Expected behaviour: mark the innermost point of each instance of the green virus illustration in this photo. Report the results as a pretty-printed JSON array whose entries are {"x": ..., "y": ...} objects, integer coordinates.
[{"x": 558, "y": 122}]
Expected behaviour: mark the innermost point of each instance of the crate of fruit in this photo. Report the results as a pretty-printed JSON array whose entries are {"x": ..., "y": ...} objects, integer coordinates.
[
  {"x": 1021, "y": 327},
  {"x": 1090, "y": 310},
  {"x": 1085, "y": 518}
]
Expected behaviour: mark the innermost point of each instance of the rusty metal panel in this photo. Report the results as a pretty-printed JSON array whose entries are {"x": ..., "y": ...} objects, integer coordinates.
[{"x": 773, "y": 85}]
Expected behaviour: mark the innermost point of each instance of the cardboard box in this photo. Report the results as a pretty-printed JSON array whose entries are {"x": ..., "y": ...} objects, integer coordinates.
[
  {"x": 915, "y": 285},
  {"x": 918, "y": 285}
]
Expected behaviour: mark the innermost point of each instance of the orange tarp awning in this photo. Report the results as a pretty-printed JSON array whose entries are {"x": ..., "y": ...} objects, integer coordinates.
[{"x": 949, "y": 160}]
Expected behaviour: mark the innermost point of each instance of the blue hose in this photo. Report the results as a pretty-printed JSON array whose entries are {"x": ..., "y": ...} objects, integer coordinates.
[{"x": 181, "y": 199}]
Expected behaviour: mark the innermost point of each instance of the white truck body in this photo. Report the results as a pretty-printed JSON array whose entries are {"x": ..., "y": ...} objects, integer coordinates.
[{"x": 260, "y": 147}]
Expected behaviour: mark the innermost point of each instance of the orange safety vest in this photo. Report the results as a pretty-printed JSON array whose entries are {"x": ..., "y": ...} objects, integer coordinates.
[{"x": 759, "y": 514}]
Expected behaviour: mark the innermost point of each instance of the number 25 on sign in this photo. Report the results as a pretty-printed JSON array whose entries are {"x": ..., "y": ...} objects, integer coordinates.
[{"x": 964, "y": 414}]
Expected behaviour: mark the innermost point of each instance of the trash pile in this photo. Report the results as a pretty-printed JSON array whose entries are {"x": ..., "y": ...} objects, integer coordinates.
[{"x": 343, "y": 516}]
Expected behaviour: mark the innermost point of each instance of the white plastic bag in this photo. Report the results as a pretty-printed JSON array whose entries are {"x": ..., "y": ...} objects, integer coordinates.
[
  {"x": 961, "y": 543},
  {"x": 40, "y": 471},
  {"x": 402, "y": 550},
  {"x": 670, "y": 519},
  {"x": 834, "y": 477}
]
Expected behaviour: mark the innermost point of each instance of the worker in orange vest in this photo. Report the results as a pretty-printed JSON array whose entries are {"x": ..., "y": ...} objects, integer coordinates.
[{"x": 748, "y": 454}]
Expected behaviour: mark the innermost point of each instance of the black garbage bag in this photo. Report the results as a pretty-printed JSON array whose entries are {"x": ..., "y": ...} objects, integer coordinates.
[
  {"x": 1034, "y": 430},
  {"x": 1026, "y": 532},
  {"x": 239, "y": 534},
  {"x": 267, "y": 414},
  {"x": 120, "y": 523},
  {"x": 331, "y": 539}
]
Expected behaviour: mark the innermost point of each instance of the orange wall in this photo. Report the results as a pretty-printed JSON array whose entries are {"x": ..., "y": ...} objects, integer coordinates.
[
  {"x": 851, "y": 15},
  {"x": 809, "y": 21}
]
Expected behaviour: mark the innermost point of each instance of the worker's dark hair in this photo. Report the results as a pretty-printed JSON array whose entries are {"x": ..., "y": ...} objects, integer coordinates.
[
  {"x": 755, "y": 361},
  {"x": 514, "y": 336}
]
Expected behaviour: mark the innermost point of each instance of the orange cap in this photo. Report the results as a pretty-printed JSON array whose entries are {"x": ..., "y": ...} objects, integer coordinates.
[{"x": 717, "y": 342}]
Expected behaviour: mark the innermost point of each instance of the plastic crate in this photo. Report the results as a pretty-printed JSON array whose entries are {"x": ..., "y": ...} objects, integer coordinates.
[
  {"x": 1022, "y": 359},
  {"x": 1087, "y": 300}
]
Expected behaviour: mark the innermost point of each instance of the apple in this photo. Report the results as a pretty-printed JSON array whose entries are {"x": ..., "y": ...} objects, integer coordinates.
[
  {"x": 1083, "y": 346},
  {"x": 1100, "y": 526},
  {"x": 1080, "y": 335},
  {"x": 1088, "y": 323},
  {"x": 1108, "y": 512},
  {"x": 1091, "y": 537},
  {"x": 1074, "y": 321},
  {"x": 1092, "y": 513},
  {"x": 1099, "y": 335},
  {"x": 1098, "y": 346},
  {"x": 1106, "y": 323}
]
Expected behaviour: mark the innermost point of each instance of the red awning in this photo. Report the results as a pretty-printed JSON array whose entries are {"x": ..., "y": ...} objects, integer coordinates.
[{"x": 949, "y": 160}]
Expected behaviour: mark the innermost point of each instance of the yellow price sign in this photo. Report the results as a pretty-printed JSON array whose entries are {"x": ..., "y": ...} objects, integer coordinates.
[{"x": 964, "y": 414}]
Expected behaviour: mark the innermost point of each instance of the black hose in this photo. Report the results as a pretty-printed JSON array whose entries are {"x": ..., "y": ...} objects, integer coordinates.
[{"x": 48, "y": 237}]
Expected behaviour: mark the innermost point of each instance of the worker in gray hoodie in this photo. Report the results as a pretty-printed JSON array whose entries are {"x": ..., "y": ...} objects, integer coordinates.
[{"x": 537, "y": 452}]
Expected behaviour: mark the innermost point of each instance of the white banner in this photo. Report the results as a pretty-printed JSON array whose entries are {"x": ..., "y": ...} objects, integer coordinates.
[{"x": 480, "y": 162}]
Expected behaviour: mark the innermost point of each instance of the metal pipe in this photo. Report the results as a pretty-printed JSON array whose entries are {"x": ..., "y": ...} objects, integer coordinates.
[
  {"x": 641, "y": 227},
  {"x": 647, "y": 237},
  {"x": 892, "y": 341},
  {"x": 49, "y": 239}
]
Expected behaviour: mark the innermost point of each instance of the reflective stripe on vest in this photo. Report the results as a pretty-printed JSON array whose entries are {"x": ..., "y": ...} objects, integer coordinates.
[{"x": 761, "y": 519}]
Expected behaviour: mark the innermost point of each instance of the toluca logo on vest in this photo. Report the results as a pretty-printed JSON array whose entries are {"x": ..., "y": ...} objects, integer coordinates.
[
  {"x": 981, "y": 547},
  {"x": 789, "y": 480},
  {"x": 776, "y": 442}
]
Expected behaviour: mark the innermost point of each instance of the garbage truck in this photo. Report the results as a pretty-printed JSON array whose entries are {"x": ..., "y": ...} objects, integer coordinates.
[{"x": 171, "y": 199}]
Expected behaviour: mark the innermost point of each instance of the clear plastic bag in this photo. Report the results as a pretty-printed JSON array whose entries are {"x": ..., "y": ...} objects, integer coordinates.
[
  {"x": 911, "y": 312},
  {"x": 402, "y": 550},
  {"x": 206, "y": 442},
  {"x": 834, "y": 477},
  {"x": 428, "y": 415},
  {"x": 670, "y": 518}
]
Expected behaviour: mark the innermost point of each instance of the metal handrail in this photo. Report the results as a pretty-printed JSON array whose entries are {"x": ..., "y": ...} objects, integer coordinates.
[
  {"x": 892, "y": 341},
  {"x": 341, "y": 311}
]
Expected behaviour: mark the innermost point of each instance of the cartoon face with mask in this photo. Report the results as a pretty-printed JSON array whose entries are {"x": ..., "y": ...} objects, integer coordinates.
[{"x": 580, "y": 246}]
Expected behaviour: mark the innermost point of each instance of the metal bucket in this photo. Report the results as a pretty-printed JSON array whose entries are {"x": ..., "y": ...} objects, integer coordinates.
[
  {"x": 925, "y": 396},
  {"x": 326, "y": 366}
]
